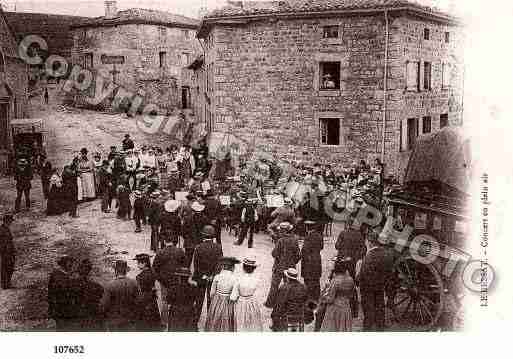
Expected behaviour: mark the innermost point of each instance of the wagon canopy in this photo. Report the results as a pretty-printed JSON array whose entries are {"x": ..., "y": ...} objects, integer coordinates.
[{"x": 442, "y": 159}]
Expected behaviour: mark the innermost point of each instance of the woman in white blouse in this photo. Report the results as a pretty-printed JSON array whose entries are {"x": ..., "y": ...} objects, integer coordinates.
[
  {"x": 220, "y": 314},
  {"x": 247, "y": 311}
]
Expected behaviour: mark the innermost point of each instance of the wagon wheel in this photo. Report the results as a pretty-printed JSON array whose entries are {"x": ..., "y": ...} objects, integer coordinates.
[{"x": 417, "y": 299}]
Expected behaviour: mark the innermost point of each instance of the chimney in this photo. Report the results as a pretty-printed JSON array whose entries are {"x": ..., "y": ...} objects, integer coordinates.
[{"x": 111, "y": 9}]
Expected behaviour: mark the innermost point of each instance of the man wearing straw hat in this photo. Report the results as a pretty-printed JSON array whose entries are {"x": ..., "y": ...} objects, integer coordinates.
[
  {"x": 288, "y": 311},
  {"x": 192, "y": 228}
]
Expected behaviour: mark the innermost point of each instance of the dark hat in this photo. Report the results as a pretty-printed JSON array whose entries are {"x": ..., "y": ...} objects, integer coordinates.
[
  {"x": 65, "y": 261},
  {"x": 127, "y": 135},
  {"x": 208, "y": 232},
  {"x": 105, "y": 163},
  {"x": 84, "y": 150},
  {"x": 142, "y": 257},
  {"x": 229, "y": 260},
  {"x": 189, "y": 197}
]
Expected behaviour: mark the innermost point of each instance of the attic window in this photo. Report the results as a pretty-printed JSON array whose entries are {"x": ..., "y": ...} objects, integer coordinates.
[{"x": 330, "y": 32}]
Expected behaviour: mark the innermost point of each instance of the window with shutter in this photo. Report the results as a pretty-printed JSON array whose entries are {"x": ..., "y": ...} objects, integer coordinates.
[{"x": 412, "y": 76}]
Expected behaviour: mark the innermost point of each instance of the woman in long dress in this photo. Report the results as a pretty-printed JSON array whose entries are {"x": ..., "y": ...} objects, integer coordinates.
[
  {"x": 336, "y": 297},
  {"x": 86, "y": 169},
  {"x": 247, "y": 311},
  {"x": 55, "y": 204},
  {"x": 220, "y": 317}
]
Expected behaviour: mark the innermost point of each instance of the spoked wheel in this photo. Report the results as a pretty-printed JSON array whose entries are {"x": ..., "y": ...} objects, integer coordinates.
[{"x": 417, "y": 299}]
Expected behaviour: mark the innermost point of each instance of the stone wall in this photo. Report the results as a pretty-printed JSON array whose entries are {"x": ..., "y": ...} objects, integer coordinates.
[
  {"x": 265, "y": 77},
  {"x": 141, "y": 45}
]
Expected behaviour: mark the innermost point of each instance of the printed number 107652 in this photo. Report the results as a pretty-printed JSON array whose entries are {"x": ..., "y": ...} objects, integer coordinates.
[{"x": 68, "y": 349}]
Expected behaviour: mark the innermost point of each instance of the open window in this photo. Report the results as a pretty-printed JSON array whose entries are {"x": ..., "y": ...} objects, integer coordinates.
[
  {"x": 330, "y": 131},
  {"x": 329, "y": 75},
  {"x": 330, "y": 32}
]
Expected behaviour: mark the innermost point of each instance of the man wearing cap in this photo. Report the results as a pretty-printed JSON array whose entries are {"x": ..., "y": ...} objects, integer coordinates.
[
  {"x": 119, "y": 301},
  {"x": 288, "y": 311},
  {"x": 350, "y": 244},
  {"x": 23, "y": 177},
  {"x": 204, "y": 264},
  {"x": 286, "y": 255},
  {"x": 61, "y": 295},
  {"x": 165, "y": 264},
  {"x": 192, "y": 229},
  {"x": 376, "y": 271},
  {"x": 311, "y": 262},
  {"x": 7, "y": 252}
]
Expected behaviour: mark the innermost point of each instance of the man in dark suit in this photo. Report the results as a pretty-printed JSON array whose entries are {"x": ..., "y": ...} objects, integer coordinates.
[
  {"x": 205, "y": 260},
  {"x": 61, "y": 295},
  {"x": 375, "y": 273},
  {"x": 119, "y": 301},
  {"x": 351, "y": 244},
  {"x": 88, "y": 296},
  {"x": 166, "y": 263},
  {"x": 23, "y": 177},
  {"x": 286, "y": 255},
  {"x": 213, "y": 212},
  {"x": 7, "y": 252},
  {"x": 311, "y": 262},
  {"x": 192, "y": 226}
]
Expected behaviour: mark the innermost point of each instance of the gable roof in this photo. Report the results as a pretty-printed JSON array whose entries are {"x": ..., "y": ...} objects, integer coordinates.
[
  {"x": 8, "y": 43},
  {"x": 248, "y": 9},
  {"x": 142, "y": 16},
  {"x": 55, "y": 29}
]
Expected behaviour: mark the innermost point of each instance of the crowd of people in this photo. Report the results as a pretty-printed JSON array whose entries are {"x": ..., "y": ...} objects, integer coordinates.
[{"x": 186, "y": 198}]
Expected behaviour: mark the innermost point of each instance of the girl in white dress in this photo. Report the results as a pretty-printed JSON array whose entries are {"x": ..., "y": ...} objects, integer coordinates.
[{"x": 247, "y": 310}]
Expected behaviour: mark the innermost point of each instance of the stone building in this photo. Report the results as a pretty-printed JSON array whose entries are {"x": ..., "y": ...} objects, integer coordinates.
[
  {"x": 13, "y": 89},
  {"x": 143, "y": 51},
  {"x": 305, "y": 80},
  {"x": 54, "y": 29}
]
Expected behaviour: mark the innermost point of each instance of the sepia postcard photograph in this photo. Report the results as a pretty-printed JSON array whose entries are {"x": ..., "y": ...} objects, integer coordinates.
[{"x": 272, "y": 166}]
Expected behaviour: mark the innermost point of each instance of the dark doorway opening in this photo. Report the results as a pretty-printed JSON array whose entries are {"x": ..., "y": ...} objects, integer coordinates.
[{"x": 185, "y": 97}]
